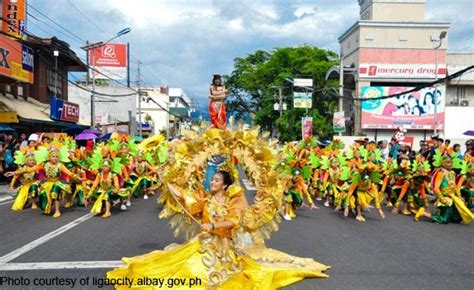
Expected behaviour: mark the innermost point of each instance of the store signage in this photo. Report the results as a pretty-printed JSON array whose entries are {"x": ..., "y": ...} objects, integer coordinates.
[
  {"x": 16, "y": 60},
  {"x": 402, "y": 71},
  {"x": 63, "y": 110}
]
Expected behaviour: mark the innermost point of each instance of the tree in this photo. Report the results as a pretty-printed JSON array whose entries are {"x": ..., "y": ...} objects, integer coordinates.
[{"x": 252, "y": 88}]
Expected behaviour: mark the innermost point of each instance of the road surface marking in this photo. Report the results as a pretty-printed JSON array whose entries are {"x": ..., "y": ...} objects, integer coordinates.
[
  {"x": 248, "y": 184},
  {"x": 5, "y": 198},
  {"x": 60, "y": 265},
  {"x": 28, "y": 247},
  {"x": 6, "y": 202}
]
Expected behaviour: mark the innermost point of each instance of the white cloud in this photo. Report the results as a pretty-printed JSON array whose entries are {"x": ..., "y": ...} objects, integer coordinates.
[
  {"x": 184, "y": 42},
  {"x": 236, "y": 24},
  {"x": 302, "y": 10}
]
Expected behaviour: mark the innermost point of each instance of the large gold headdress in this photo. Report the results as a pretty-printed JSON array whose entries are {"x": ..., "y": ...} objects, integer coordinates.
[{"x": 187, "y": 171}]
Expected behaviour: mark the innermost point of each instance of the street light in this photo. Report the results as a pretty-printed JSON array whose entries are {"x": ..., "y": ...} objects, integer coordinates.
[
  {"x": 437, "y": 42},
  {"x": 88, "y": 48},
  {"x": 56, "y": 54}
]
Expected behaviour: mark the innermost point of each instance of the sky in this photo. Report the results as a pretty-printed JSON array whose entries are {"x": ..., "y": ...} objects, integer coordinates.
[{"x": 183, "y": 43}]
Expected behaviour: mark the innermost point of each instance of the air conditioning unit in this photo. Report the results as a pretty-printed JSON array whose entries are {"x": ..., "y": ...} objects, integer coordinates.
[
  {"x": 454, "y": 103},
  {"x": 464, "y": 103}
]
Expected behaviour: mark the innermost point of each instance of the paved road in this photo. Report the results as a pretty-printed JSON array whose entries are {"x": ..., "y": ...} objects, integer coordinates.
[{"x": 393, "y": 254}]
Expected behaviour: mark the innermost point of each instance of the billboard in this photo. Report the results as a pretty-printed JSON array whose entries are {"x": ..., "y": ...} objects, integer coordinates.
[
  {"x": 303, "y": 82},
  {"x": 63, "y": 110},
  {"x": 411, "y": 111},
  {"x": 302, "y": 100},
  {"x": 16, "y": 60},
  {"x": 401, "y": 71},
  {"x": 109, "y": 59},
  {"x": 306, "y": 127},
  {"x": 14, "y": 12},
  {"x": 339, "y": 122}
]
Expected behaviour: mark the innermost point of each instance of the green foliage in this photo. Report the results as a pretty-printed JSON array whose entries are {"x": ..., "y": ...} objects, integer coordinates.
[
  {"x": 306, "y": 172},
  {"x": 64, "y": 154},
  {"x": 149, "y": 157},
  {"x": 116, "y": 165},
  {"x": 324, "y": 162},
  {"x": 41, "y": 155},
  {"x": 345, "y": 173},
  {"x": 252, "y": 89},
  {"x": 341, "y": 159},
  {"x": 163, "y": 153},
  {"x": 19, "y": 157},
  {"x": 97, "y": 159},
  {"x": 314, "y": 160}
]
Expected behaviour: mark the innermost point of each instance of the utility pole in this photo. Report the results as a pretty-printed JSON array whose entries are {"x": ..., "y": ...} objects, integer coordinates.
[
  {"x": 437, "y": 42},
  {"x": 341, "y": 86},
  {"x": 139, "y": 100},
  {"x": 280, "y": 100}
]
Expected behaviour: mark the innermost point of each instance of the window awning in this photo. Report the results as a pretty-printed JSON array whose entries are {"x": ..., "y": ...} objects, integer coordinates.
[{"x": 31, "y": 110}]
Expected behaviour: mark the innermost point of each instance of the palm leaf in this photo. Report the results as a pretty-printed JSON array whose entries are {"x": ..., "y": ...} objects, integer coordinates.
[
  {"x": 149, "y": 157},
  {"x": 114, "y": 145},
  {"x": 363, "y": 153},
  {"x": 426, "y": 165},
  {"x": 163, "y": 153},
  {"x": 341, "y": 159},
  {"x": 324, "y": 162},
  {"x": 437, "y": 158},
  {"x": 19, "y": 157},
  {"x": 345, "y": 173},
  {"x": 350, "y": 154},
  {"x": 132, "y": 147},
  {"x": 97, "y": 159},
  {"x": 116, "y": 165},
  {"x": 314, "y": 160},
  {"x": 378, "y": 155},
  {"x": 41, "y": 155},
  {"x": 306, "y": 172},
  {"x": 64, "y": 154}
]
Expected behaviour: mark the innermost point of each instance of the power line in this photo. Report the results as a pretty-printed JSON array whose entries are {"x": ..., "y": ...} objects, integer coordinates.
[
  {"x": 85, "y": 16},
  {"x": 417, "y": 88},
  {"x": 77, "y": 37},
  {"x": 59, "y": 25}
]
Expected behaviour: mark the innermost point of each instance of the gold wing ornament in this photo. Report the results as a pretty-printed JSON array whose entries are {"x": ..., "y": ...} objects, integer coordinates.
[{"x": 185, "y": 175}]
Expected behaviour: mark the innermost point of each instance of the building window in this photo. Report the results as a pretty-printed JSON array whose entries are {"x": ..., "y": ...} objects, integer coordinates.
[
  {"x": 403, "y": 37},
  {"x": 54, "y": 89},
  {"x": 369, "y": 36}
]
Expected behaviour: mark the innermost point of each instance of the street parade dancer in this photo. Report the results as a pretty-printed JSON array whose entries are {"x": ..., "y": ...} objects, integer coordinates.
[
  {"x": 449, "y": 203},
  {"x": 53, "y": 189},
  {"x": 224, "y": 234},
  {"x": 28, "y": 188}
]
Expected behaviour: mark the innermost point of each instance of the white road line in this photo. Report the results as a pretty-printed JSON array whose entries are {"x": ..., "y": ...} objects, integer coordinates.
[
  {"x": 5, "y": 198},
  {"x": 28, "y": 247},
  {"x": 248, "y": 184},
  {"x": 60, "y": 265},
  {"x": 6, "y": 202}
]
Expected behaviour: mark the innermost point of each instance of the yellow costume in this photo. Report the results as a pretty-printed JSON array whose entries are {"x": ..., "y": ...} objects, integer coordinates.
[{"x": 223, "y": 258}]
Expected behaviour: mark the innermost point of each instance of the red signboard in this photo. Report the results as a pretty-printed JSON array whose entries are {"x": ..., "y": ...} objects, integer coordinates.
[
  {"x": 70, "y": 112},
  {"x": 64, "y": 110},
  {"x": 109, "y": 59}
]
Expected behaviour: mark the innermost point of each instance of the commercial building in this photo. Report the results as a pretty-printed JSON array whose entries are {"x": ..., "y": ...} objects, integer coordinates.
[
  {"x": 391, "y": 49},
  {"x": 34, "y": 84}
]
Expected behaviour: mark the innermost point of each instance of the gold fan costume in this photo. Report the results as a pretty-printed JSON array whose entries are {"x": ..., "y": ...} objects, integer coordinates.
[{"x": 223, "y": 258}]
